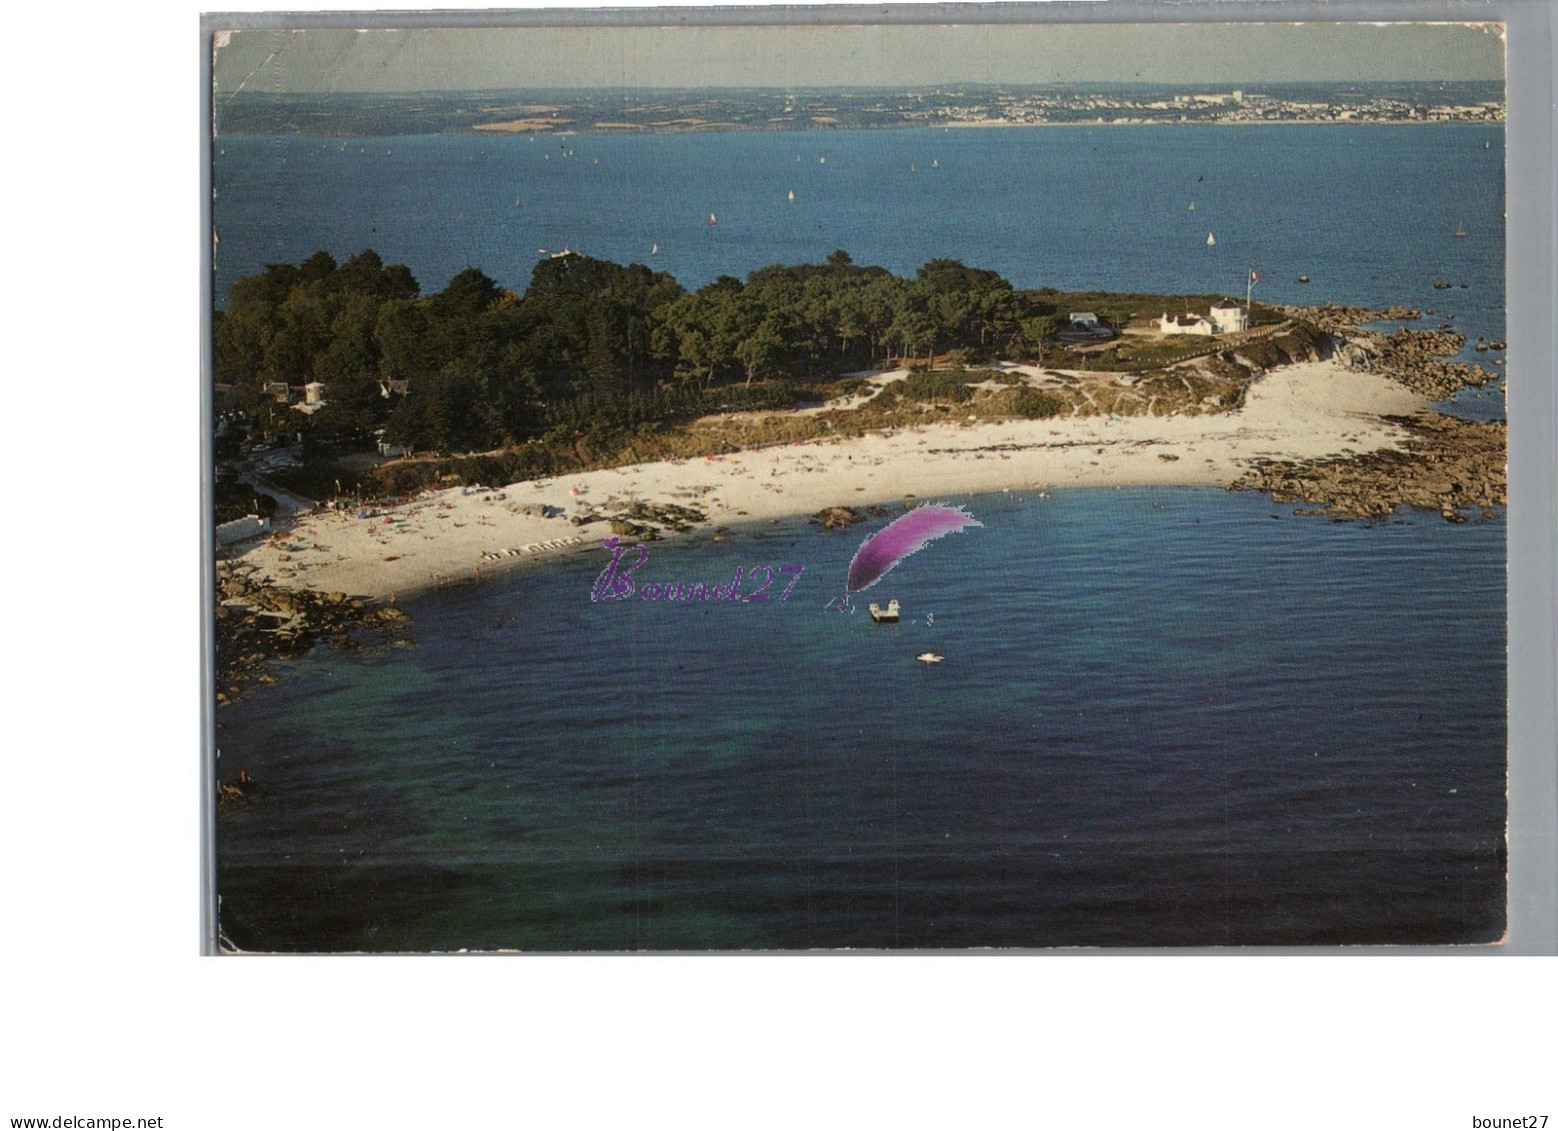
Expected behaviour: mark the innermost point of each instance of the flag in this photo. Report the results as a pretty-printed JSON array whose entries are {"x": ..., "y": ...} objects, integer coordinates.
[{"x": 1254, "y": 276}]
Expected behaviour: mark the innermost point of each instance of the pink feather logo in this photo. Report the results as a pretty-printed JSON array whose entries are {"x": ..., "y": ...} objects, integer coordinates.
[{"x": 900, "y": 538}]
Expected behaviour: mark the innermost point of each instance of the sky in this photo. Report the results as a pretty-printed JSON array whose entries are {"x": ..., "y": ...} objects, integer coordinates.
[{"x": 901, "y": 55}]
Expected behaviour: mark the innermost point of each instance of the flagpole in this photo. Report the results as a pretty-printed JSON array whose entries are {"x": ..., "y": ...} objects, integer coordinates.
[{"x": 1249, "y": 281}]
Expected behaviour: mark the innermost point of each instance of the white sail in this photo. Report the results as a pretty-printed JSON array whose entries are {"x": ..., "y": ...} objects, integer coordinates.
[{"x": 1211, "y": 240}]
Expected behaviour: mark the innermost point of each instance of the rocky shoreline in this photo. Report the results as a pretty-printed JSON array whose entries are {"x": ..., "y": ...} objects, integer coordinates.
[
  {"x": 1448, "y": 465},
  {"x": 1344, "y": 320},
  {"x": 1413, "y": 358},
  {"x": 258, "y": 623}
]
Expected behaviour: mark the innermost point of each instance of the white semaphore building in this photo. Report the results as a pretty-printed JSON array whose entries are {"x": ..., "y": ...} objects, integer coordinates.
[
  {"x": 1229, "y": 317},
  {"x": 1225, "y": 317}
]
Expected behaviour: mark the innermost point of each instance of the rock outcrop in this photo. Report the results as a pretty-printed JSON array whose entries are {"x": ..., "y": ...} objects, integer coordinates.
[
  {"x": 258, "y": 623},
  {"x": 834, "y": 518},
  {"x": 1454, "y": 467}
]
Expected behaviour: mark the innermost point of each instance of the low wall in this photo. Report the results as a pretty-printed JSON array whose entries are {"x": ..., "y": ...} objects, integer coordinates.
[{"x": 240, "y": 528}]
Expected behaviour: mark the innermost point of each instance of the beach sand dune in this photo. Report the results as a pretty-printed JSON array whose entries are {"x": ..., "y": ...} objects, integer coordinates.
[{"x": 1299, "y": 412}]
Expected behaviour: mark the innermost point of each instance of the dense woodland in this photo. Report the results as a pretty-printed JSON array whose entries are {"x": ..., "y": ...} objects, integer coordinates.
[
  {"x": 594, "y": 349},
  {"x": 590, "y": 344}
]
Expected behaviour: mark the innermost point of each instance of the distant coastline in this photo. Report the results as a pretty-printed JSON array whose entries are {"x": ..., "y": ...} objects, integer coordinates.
[
  {"x": 605, "y": 113},
  {"x": 960, "y": 124}
]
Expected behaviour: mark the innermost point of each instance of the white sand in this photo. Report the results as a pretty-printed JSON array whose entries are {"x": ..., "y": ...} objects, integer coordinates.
[{"x": 1305, "y": 411}]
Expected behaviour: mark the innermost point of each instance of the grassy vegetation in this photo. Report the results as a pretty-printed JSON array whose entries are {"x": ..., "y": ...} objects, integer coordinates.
[
  {"x": 1214, "y": 384},
  {"x": 1131, "y": 354},
  {"x": 1120, "y": 309},
  {"x": 598, "y": 365},
  {"x": 924, "y": 397}
]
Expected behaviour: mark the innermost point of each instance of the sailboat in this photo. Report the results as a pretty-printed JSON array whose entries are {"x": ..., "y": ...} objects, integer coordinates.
[
  {"x": 1211, "y": 241},
  {"x": 1192, "y": 207},
  {"x": 934, "y": 164},
  {"x": 1460, "y": 231},
  {"x": 792, "y": 196},
  {"x": 654, "y": 249},
  {"x": 712, "y": 220}
]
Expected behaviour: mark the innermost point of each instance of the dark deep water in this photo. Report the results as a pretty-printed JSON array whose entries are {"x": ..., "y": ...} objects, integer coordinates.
[{"x": 1165, "y": 717}]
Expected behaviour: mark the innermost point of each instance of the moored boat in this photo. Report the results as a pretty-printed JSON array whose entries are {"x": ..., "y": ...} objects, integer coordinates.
[{"x": 888, "y": 615}]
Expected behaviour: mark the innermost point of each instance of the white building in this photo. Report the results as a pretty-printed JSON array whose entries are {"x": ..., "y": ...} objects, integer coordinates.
[
  {"x": 313, "y": 398},
  {"x": 1185, "y": 324},
  {"x": 1084, "y": 318},
  {"x": 1228, "y": 317},
  {"x": 1225, "y": 317}
]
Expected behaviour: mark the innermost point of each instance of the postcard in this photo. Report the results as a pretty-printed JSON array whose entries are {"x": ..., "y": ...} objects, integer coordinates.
[{"x": 858, "y": 486}]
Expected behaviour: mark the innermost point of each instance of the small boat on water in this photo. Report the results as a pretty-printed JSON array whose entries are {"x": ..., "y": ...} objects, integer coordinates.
[
  {"x": 654, "y": 249},
  {"x": 888, "y": 615},
  {"x": 929, "y": 658},
  {"x": 1192, "y": 207},
  {"x": 1460, "y": 231},
  {"x": 1303, "y": 278},
  {"x": 1211, "y": 240},
  {"x": 792, "y": 196},
  {"x": 712, "y": 220}
]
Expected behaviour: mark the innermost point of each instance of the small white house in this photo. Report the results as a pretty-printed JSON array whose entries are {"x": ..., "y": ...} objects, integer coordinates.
[
  {"x": 1228, "y": 317},
  {"x": 313, "y": 398},
  {"x": 1185, "y": 324}
]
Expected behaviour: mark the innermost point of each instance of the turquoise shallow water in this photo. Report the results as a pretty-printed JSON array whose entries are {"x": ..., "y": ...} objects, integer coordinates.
[{"x": 1164, "y": 718}]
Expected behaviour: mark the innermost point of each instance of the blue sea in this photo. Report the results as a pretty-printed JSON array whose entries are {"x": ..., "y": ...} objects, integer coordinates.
[{"x": 1164, "y": 718}]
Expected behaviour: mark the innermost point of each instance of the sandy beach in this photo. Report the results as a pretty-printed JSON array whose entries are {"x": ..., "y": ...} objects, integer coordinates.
[{"x": 463, "y": 534}]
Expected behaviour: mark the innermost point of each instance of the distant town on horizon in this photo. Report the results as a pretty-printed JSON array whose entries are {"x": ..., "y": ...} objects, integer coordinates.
[{"x": 639, "y": 110}]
